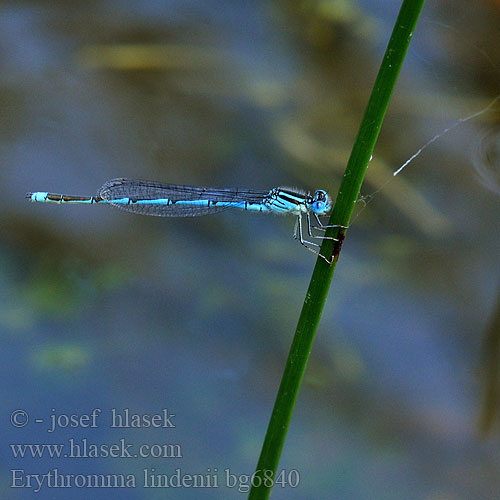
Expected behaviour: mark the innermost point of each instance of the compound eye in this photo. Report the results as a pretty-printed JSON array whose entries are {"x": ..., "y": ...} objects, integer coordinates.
[
  {"x": 320, "y": 195},
  {"x": 318, "y": 207},
  {"x": 320, "y": 204}
]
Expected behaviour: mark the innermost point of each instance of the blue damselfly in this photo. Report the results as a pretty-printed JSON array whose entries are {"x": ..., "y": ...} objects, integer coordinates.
[{"x": 171, "y": 200}]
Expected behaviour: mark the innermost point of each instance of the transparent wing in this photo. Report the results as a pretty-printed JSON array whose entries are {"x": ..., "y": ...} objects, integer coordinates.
[{"x": 154, "y": 198}]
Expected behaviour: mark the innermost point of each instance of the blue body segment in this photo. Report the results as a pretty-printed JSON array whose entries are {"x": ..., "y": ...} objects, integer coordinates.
[{"x": 172, "y": 200}]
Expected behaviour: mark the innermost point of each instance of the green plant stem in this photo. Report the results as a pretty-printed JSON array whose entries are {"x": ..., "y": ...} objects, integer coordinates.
[{"x": 323, "y": 272}]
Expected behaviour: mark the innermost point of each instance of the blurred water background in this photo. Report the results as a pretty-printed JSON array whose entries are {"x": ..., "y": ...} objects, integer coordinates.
[{"x": 104, "y": 309}]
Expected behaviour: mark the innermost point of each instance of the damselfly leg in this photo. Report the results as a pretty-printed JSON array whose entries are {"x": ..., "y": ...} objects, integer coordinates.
[
  {"x": 324, "y": 227},
  {"x": 298, "y": 235}
]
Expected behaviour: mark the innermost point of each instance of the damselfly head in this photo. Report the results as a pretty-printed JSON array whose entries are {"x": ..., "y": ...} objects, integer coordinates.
[{"x": 320, "y": 203}]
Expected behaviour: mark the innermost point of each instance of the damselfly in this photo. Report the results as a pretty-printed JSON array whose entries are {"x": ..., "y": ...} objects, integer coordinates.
[{"x": 171, "y": 200}]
